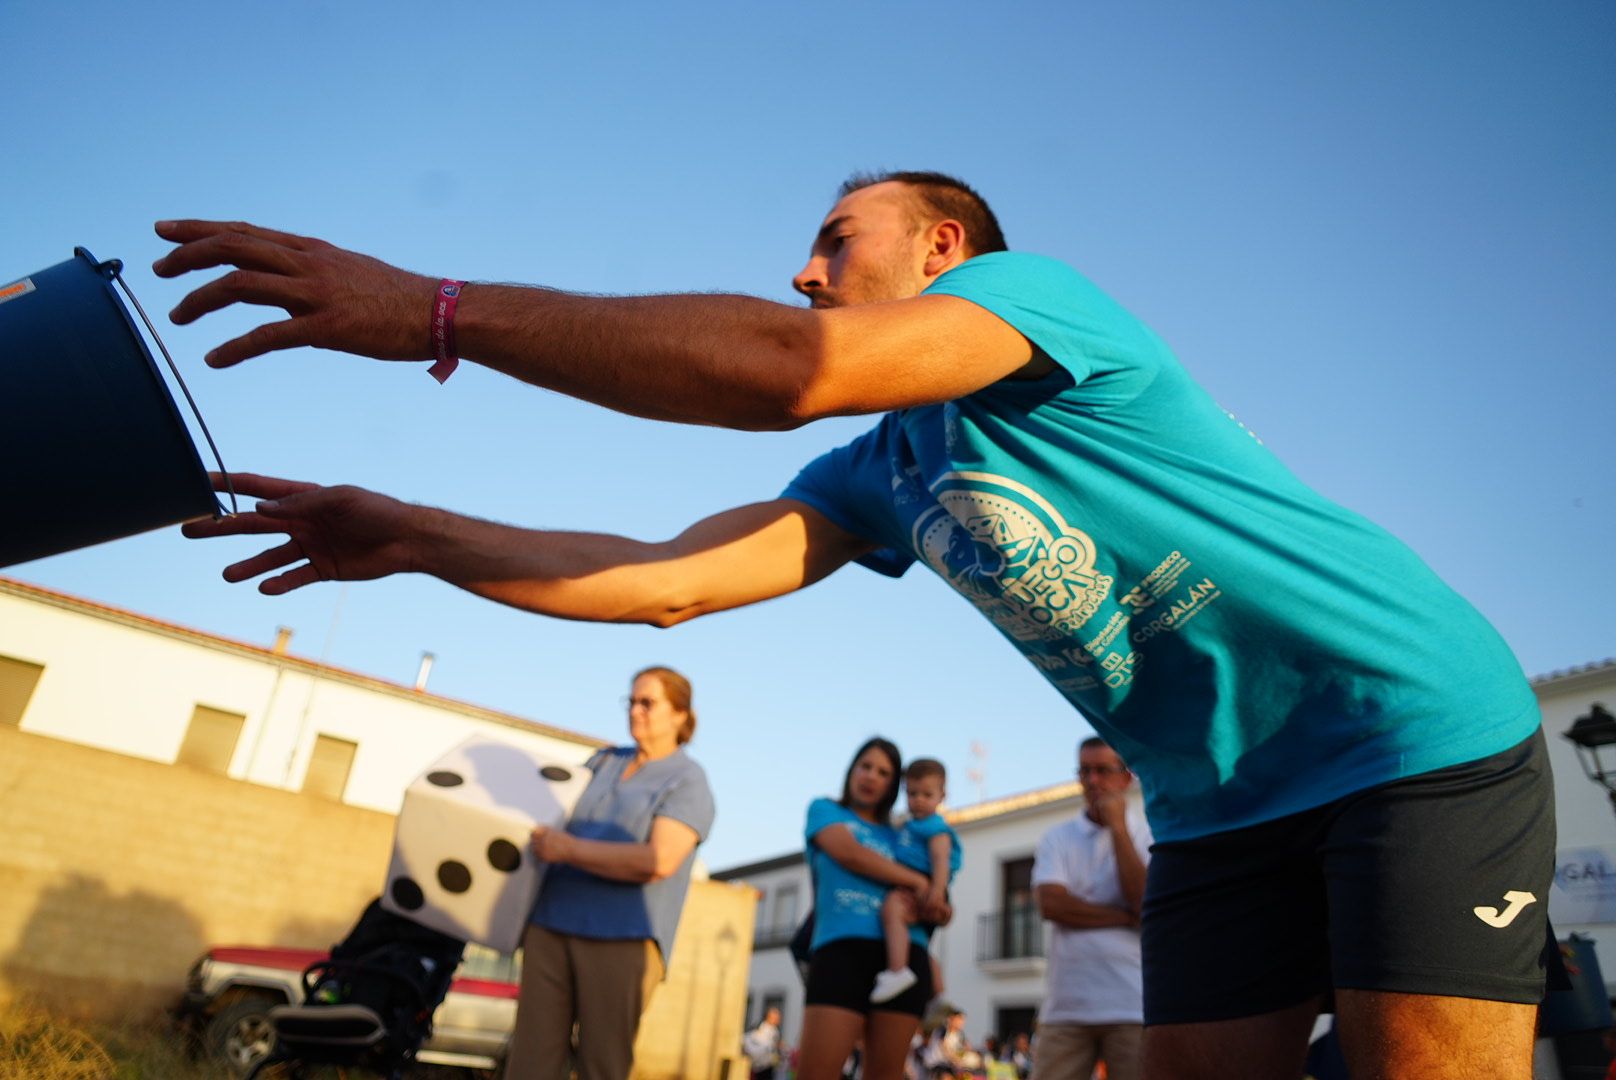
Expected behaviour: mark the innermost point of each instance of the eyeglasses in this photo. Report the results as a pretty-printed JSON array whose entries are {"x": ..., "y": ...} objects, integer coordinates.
[
  {"x": 645, "y": 703},
  {"x": 1100, "y": 770}
]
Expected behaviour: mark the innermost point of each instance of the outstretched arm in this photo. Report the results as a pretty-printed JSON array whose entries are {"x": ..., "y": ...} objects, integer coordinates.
[
  {"x": 737, "y": 557},
  {"x": 732, "y": 361}
]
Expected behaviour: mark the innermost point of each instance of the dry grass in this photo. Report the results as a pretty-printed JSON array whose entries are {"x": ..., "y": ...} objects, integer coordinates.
[{"x": 37, "y": 1045}]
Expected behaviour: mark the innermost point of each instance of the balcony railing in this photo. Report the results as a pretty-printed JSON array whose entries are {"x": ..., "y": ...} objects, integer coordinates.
[
  {"x": 1016, "y": 933},
  {"x": 772, "y": 937}
]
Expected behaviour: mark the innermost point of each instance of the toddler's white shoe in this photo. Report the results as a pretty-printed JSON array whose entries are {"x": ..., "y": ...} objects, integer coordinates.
[{"x": 889, "y": 984}]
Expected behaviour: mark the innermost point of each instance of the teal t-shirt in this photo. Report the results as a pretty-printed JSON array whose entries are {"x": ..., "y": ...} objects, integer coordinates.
[
  {"x": 914, "y": 838},
  {"x": 847, "y": 905},
  {"x": 1250, "y": 648}
]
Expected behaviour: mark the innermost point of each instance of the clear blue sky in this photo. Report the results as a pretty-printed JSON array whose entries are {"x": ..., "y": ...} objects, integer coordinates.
[{"x": 1379, "y": 234}]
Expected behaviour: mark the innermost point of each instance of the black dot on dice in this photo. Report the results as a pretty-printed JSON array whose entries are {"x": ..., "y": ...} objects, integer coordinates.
[
  {"x": 504, "y": 855},
  {"x": 453, "y": 876},
  {"x": 556, "y": 773},
  {"x": 407, "y": 894},
  {"x": 445, "y": 778}
]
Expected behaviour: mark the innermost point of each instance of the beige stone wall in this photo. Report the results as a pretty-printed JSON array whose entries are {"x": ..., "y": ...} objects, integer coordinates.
[
  {"x": 692, "y": 1031},
  {"x": 117, "y": 872}
]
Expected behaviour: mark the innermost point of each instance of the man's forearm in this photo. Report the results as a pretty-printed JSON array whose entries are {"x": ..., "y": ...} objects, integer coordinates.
[
  {"x": 733, "y": 558},
  {"x": 1075, "y": 914},
  {"x": 735, "y": 361},
  {"x": 588, "y": 576},
  {"x": 1131, "y": 870}
]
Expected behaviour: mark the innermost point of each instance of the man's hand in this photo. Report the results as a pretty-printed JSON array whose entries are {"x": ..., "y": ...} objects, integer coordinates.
[
  {"x": 337, "y": 299},
  {"x": 343, "y": 533},
  {"x": 551, "y": 845},
  {"x": 1109, "y": 808}
]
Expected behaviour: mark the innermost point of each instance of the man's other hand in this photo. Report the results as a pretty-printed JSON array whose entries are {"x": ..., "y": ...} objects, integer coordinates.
[
  {"x": 333, "y": 533},
  {"x": 1109, "y": 808}
]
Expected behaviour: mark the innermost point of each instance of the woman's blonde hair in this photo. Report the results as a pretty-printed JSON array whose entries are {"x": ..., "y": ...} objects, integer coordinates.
[{"x": 677, "y": 687}]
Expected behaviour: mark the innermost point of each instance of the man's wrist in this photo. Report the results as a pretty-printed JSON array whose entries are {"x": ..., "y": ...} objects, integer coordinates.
[
  {"x": 445, "y": 352},
  {"x": 427, "y": 535}
]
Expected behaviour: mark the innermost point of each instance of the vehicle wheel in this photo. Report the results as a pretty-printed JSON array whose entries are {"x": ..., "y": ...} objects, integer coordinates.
[{"x": 239, "y": 1034}]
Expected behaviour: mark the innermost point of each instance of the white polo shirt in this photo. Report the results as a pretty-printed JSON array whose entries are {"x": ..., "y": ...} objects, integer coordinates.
[{"x": 1093, "y": 975}]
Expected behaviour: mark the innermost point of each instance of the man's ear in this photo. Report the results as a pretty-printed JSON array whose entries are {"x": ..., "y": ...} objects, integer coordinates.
[{"x": 945, "y": 247}]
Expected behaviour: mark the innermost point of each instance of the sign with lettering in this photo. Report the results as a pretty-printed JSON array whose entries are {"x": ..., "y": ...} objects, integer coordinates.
[{"x": 1584, "y": 889}]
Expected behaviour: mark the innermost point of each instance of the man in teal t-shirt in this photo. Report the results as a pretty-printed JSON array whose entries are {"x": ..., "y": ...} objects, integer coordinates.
[{"x": 1340, "y": 757}]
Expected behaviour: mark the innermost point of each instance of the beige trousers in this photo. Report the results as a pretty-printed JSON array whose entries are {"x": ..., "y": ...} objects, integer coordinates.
[
  {"x": 601, "y": 986},
  {"x": 1069, "y": 1051}
]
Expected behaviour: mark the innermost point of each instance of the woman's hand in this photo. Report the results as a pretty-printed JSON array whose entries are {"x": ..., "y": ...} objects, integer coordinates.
[
  {"x": 937, "y": 911},
  {"x": 551, "y": 845}
]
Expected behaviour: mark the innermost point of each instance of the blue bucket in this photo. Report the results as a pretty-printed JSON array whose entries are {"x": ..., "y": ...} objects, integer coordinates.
[{"x": 93, "y": 446}]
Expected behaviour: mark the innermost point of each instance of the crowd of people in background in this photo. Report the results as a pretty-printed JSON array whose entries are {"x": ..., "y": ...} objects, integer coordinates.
[
  {"x": 940, "y": 1050},
  {"x": 874, "y": 1003}
]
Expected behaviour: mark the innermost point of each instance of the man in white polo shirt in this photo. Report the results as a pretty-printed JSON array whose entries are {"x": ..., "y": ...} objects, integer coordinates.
[{"x": 1090, "y": 881}]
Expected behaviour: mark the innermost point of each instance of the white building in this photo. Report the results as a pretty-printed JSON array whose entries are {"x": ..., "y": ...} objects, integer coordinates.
[
  {"x": 1583, "y": 899},
  {"x": 76, "y": 670},
  {"x": 992, "y": 953}
]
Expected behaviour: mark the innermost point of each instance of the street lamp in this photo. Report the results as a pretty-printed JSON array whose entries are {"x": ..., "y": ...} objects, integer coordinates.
[{"x": 1590, "y": 734}]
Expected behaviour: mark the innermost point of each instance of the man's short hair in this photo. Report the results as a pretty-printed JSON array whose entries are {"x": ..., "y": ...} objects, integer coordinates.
[
  {"x": 920, "y": 768},
  {"x": 1093, "y": 742},
  {"x": 938, "y": 197}
]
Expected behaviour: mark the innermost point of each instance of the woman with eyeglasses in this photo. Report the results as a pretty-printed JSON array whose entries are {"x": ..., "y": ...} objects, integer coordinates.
[
  {"x": 598, "y": 942},
  {"x": 851, "y": 846}
]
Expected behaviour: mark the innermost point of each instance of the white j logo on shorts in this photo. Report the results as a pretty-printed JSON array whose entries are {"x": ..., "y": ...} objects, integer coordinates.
[{"x": 1517, "y": 902}]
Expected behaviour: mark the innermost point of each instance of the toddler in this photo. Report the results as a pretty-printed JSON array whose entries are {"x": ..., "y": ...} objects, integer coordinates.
[{"x": 925, "y": 843}]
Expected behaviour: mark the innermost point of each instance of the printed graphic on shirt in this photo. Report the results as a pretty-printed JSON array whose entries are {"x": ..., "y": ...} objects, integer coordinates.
[
  {"x": 863, "y": 900},
  {"x": 1012, "y": 554}
]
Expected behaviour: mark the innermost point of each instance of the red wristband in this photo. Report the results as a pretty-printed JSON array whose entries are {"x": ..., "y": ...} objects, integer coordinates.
[{"x": 443, "y": 337}]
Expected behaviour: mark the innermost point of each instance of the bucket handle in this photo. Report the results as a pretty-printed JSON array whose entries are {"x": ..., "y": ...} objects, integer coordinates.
[{"x": 113, "y": 269}]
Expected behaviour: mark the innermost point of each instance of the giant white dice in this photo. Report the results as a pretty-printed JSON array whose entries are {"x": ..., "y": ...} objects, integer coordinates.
[{"x": 461, "y": 861}]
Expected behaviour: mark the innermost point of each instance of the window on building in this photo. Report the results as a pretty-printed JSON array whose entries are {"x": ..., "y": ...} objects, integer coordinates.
[
  {"x": 1021, "y": 927},
  {"x": 17, "y": 681},
  {"x": 210, "y": 741},
  {"x": 785, "y": 907},
  {"x": 329, "y": 766},
  {"x": 773, "y": 999},
  {"x": 1013, "y": 1020}
]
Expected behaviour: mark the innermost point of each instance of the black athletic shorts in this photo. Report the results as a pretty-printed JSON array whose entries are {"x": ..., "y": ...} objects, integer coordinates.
[
  {"x": 842, "y": 973},
  {"x": 1434, "y": 884}
]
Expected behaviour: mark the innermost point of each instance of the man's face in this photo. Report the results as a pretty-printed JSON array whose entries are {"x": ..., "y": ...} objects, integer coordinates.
[
  {"x": 923, "y": 795},
  {"x": 772, "y": 1017},
  {"x": 1102, "y": 772},
  {"x": 869, "y": 249}
]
